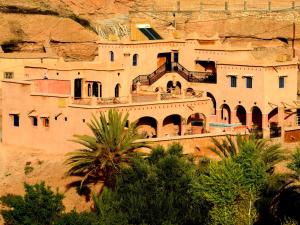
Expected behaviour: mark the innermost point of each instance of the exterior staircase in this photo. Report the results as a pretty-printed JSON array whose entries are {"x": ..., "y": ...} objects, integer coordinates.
[{"x": 190, "y": 76}]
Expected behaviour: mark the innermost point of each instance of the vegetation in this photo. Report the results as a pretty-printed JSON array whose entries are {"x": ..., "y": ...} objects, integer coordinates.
[
  {"x": 102, "y": 155},
  {"x": 167, "y": 187},
  {"x": 39, "y": 206}
]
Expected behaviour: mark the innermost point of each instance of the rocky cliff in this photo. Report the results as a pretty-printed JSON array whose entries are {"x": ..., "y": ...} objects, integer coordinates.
[{"x": 70, "y": 26}]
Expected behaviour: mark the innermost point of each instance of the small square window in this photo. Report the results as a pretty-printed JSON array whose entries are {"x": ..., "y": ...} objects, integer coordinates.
[
  {"x": 233, "y": 82},
  {"x": 281, "y": 82},
  {"x": 34, "y": 121},
  {"x": 16, "y": 119},
  {"x": 248, "y": 82},
  {"x": 8, "y": 75}
]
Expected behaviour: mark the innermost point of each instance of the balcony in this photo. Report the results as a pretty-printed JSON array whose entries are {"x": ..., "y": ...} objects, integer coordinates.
[{"x": 191, "y": 76}]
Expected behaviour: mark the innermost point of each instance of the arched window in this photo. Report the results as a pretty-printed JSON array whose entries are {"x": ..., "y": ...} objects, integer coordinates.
[
  {"x": 112, "y": 56},
  {"x": 117, "y": 91},
  {"x": 89, "y": 90},
  {"x": 135, "y": 60},
  {"x": 95, "y": 89}
]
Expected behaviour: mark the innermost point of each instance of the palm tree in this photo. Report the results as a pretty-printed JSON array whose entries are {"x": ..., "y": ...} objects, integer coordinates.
[
  {"x": 271, "y": 154},
  {"x": 112, "y": 145}
]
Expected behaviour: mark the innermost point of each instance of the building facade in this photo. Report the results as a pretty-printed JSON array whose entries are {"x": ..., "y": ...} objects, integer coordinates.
[{"x": 172, "y": 88}]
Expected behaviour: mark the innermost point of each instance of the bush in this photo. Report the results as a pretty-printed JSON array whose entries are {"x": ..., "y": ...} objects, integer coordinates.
[
  {"x": 39, "y": 206},
  {"x": 295, "y": 163},
  {"x": 155, "y": 191},
  {"x": 74, "y": 218}
]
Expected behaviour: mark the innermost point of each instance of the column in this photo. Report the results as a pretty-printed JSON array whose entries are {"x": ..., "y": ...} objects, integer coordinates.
[
  {"x": 218, "y": 115},
  {"x": 233, "y": 116},
  {"x": 249, "y": 120},
  {"x": 159, "y": 130},
  {"x": 265, "y": 126},
  {"x": 281, "y": 120}
]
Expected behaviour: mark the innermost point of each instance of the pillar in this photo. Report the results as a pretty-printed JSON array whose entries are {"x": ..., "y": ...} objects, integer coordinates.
[
  {"x": 293, "y": 4},
  {"x": 265, "y": 126},
  {"x": 245, "y": 5},
  {"x": 281, "y": 124},
  {"x": 249, "y": 120},
  {"x": 159, "y": 132},
  {"x": 269, "y": 5},
  {"x": 233, "y": 117},
  {"x": 218, "y": 115},
  {"x": 226, "y": 6}
]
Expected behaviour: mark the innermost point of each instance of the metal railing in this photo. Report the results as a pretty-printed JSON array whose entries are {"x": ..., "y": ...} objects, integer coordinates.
[{"x": 191, "y": 76}]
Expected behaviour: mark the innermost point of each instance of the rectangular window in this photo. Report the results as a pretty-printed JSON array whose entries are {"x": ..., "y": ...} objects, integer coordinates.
[
  {"x": 16, "y": 119},
  {"x": 248, "y": 82},
  {"x": 8, "y": 75},
  {"x": 233, "y": 80},
  {"x": 46, "y": 122},
  {"x": 34, "y": 121},
  {"x": 281, "y": 82}
]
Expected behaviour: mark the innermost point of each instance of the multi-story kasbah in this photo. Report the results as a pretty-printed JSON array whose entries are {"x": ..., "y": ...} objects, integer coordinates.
[{"x": 177, "y": 90}]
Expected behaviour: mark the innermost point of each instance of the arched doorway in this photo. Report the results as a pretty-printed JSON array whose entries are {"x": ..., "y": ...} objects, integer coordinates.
[
  {"x": 95, "y": 89},
  {"x": 172, "y": 125},
  {"x": 225, "y": 114},
  {"x": 275, "y": 130},
  {"x": 117, "y": 91},
  {"x": 213, "y": 103},
  {"x": 256, "y": 117},
  {"x": 178, "y": 88},
  {"x": 169, "y": 86},
  {"x": 190, "y": 92},
  {"x": 147, "y": 127},
  {"x": 241, "y": 114},
  {"x": 196, "y": 123}
]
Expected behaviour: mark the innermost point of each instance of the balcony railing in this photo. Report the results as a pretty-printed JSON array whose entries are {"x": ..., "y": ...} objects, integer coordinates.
[{"x": 191, "y": 76}]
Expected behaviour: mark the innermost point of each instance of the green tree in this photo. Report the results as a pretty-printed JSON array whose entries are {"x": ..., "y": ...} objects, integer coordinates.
[
  {"x": 39, "y": 206},
  {"x": 112, "y": 145},
  {"x": 156, "y": 191}
]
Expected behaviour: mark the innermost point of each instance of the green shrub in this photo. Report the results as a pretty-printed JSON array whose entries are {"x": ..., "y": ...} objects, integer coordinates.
[
  {"x": 295, "y": 163},
  {"x": 39, "y": 206},
  {"x": 74, "y": 218}
]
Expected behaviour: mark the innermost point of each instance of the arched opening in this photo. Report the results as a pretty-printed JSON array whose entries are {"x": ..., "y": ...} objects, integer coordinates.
[
  {"x": 196, "y": 123},
  {"x": 172, "y": 125},
  {"x": 213, "y": 103},
  {"x": 147, "y": 127},
  {"x": 169, "y": 86},
  {"x": 112, "y": 56},
  {"x": 241, "y": 114},
  {"x": 225, "y": 114},
  {"x": 95, "y": 89},
  {"x": 135, "y": 60},
  {"x": 190, "y": 92},
  {"x": 178, "y": 88},
  {"x": 77, "y": 88},
  {"x": 275, "y": 130},
  {"x": 117, "y": 91},
  {"x": 89, "y": 90},
  {"x": 256, "y": 117}
]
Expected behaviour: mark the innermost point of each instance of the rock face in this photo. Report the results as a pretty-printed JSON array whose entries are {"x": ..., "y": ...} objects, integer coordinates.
[{"x": 26, "y": 25}]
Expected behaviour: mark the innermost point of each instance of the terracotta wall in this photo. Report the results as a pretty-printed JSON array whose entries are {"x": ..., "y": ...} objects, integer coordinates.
[
  {"x": 53, "y": 86},
  {"x": 292, "y": 135}
]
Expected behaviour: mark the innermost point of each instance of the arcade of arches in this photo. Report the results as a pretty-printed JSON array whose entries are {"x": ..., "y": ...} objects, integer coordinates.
[
  {"x": 172, "y": 125},
  {"x": 254, "y": 119}
]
